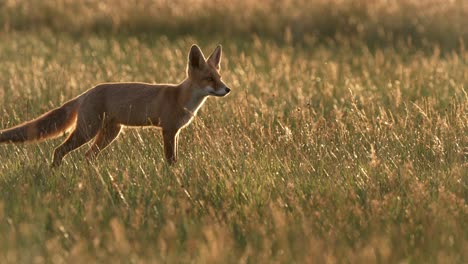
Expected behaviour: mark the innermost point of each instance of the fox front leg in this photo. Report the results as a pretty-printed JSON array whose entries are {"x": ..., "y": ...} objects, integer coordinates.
[{"x": 170, "y": 145}]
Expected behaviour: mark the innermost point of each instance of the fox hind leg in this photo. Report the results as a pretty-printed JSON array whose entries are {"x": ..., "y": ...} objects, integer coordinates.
[
  {"x": 84, "y": 132},
  {"x": 105, "y": 136}
]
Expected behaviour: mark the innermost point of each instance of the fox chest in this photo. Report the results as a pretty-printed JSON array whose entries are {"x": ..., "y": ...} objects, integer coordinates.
[
  {"x": 189, "y": 112},
  {"x": 185, "y": 120}
]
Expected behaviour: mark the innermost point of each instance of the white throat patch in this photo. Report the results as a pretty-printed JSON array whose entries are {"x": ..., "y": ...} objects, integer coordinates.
[{"x": 195, "y": 103}]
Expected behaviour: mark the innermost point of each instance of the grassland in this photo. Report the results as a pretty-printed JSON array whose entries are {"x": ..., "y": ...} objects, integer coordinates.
[{"x": 344, "y": 139}]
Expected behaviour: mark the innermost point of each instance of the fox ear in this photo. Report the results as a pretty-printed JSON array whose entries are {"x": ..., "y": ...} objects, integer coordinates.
[
  {"x": 196, "y": 58},
  {"x": 215, "y": 57}
]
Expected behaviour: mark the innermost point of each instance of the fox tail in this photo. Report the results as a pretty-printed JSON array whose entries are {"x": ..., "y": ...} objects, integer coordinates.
[{"x": 48, "y": 125}]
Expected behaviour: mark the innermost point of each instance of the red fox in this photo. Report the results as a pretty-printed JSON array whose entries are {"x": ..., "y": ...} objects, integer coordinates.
[{"x": 102, "y": 111}]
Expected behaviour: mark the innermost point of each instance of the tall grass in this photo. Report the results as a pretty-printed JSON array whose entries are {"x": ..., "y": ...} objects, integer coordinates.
[{"x": 325, "y": 151}]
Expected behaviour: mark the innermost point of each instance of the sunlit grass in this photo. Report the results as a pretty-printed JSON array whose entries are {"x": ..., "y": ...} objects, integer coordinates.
[{"x": 323, "y": 152}]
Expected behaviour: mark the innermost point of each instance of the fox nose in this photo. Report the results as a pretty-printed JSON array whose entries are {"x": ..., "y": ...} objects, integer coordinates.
[{"x": 227, "y": 90}]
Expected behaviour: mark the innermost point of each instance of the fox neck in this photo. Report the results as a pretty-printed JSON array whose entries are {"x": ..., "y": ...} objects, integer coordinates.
[{"x": 189, "y": 99}]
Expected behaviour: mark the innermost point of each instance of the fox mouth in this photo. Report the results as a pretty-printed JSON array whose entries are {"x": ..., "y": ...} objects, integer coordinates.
[{"x": 219, "y": 94}]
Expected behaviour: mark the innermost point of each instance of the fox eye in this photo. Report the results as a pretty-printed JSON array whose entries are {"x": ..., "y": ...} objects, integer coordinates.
[{"x": 210, "y": 79}]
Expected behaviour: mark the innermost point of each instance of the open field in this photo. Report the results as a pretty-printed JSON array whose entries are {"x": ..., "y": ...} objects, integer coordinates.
[{"x": 345, "y": 137}]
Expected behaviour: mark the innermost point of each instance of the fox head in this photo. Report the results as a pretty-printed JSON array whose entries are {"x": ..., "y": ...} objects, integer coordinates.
[{"x": 204, "y": 73}]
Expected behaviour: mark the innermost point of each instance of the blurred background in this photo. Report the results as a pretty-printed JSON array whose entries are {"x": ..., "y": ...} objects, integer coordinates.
[{"x": 375, "y": 22}]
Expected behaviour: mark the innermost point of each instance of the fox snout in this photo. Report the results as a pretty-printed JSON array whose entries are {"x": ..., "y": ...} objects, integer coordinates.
[
  {"x": 220, "y": 92},
  {"x": 226, "y": 91}
]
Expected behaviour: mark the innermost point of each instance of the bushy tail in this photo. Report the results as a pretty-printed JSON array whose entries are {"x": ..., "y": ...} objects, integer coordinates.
[{"x": 48, "y": 125}]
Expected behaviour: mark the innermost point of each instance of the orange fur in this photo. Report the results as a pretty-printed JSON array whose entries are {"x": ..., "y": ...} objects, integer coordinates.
[{"x": 48, "y": 125}]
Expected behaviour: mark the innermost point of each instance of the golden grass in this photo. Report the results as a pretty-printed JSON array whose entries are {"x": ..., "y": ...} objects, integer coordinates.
[{"x": 325, "y": 152}]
